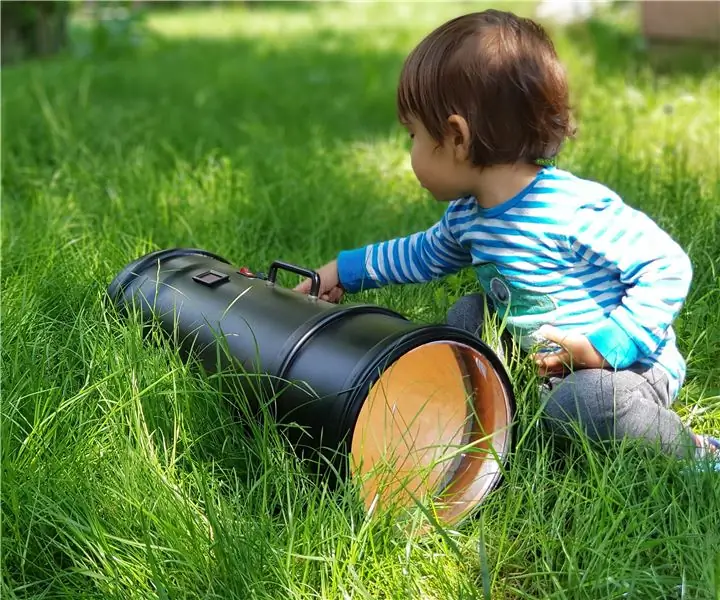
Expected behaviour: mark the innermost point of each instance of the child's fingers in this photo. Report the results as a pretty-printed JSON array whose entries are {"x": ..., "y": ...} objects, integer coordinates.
[
  {"x": 335, "y": 294},
  {"x": 303, "y": 287},
  {"x": 332, "y": 295},
  {"x": 553, "y": 334},
  {"x": 551, "y": 364}
]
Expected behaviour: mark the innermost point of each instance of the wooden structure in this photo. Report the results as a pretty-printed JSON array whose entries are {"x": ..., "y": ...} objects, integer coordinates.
[{"x": 681, "y": 20}]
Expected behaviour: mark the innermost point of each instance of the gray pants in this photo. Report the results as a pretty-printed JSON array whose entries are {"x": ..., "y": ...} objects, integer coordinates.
[{"x": 605, "y": 404}]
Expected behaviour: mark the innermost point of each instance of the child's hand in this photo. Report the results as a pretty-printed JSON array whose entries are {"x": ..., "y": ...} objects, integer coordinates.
[
  {"x": 577, "y": 353},
  {"x": 330, "y": 288}
]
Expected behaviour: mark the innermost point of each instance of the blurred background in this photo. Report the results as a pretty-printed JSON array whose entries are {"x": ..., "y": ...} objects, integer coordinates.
[{"x": 38, "y": 28}]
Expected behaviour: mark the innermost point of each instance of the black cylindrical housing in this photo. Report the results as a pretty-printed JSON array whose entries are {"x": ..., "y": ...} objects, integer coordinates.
[{"x": 317, "y": 359}]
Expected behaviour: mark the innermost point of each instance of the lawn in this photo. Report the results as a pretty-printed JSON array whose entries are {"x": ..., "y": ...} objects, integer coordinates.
[{"x": 269, "y": 133}]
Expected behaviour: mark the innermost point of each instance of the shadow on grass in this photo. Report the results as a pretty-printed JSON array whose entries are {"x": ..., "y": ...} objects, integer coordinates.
[
  {"x": 277, "y": 110},
  {"x": 199, "y": 93}
]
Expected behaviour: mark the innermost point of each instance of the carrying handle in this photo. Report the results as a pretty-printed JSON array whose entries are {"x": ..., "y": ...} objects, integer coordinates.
[{"x": 313, "y": 275}]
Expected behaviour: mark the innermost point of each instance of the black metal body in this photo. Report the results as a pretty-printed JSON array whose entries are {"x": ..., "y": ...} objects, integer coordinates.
[{"x": 338, "y": 351}]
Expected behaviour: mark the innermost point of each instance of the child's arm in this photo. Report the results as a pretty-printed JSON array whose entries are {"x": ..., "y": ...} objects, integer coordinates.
[
  {"x": 417, "y": 258},
  {"x": 656, "y": 270}
]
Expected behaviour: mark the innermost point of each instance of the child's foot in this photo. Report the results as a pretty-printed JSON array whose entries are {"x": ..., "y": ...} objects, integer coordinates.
[{"x": 708, "y": 451}]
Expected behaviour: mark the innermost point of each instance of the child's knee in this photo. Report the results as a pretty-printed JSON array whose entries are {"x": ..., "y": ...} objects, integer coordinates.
[
  {"x": 467, "y": 313},
  {"x": 580, "y": 400}
]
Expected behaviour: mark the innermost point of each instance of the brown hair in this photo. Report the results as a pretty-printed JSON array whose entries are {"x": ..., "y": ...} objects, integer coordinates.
[{"x": 502, "y": 74}]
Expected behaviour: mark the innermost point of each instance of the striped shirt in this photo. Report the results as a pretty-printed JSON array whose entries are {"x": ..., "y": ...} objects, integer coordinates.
[{"x": 564, "y": 251}]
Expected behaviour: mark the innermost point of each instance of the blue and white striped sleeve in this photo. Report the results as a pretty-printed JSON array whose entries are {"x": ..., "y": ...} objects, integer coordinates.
[
  {"x": 417, "y": 258},
  {"x": 655, "y": 269}
]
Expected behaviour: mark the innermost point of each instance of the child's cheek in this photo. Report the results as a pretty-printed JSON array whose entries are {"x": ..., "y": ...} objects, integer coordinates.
[{"x": 416, "y": 164}]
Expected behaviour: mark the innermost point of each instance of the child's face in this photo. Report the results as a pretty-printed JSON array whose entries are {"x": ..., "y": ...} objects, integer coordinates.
[{"x": 435, "y": 165}]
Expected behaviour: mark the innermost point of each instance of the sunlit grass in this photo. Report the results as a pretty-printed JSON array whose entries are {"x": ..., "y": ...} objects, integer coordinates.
[{"x": 249, "y": 134}]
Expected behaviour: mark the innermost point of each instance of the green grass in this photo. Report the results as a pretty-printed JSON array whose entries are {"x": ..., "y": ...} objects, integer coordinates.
[{"x": 271, "y": 133}]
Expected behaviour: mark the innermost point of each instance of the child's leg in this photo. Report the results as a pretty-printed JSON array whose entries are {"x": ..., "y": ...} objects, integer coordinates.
[
  {"x": 617, "y": 404},
  {"x": 468, "y": 313},
  {"x": 606, "y": 404}
]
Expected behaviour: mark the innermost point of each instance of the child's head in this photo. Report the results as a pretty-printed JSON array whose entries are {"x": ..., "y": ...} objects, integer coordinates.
[{"x": 489, "y": 85}]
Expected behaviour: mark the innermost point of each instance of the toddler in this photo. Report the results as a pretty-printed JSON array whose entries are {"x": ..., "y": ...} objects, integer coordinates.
[{"x": 585, "y": 284}]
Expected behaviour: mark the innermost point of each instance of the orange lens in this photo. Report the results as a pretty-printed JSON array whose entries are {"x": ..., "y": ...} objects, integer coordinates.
[{"x": 436, "y": 423}]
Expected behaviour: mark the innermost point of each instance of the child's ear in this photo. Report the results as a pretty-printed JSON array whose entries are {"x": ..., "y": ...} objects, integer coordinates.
[{"x": 459, "y": 137}]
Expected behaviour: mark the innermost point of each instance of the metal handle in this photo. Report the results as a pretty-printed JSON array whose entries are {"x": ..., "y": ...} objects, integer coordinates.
[{"x": 313, "y": 275}]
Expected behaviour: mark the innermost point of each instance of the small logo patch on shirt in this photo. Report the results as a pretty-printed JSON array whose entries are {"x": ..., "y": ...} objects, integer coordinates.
[{"x": 523, "y": 311}]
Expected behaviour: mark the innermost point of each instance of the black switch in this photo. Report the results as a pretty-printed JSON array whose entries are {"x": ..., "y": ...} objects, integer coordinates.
[{"x": 211, "y": 278}]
